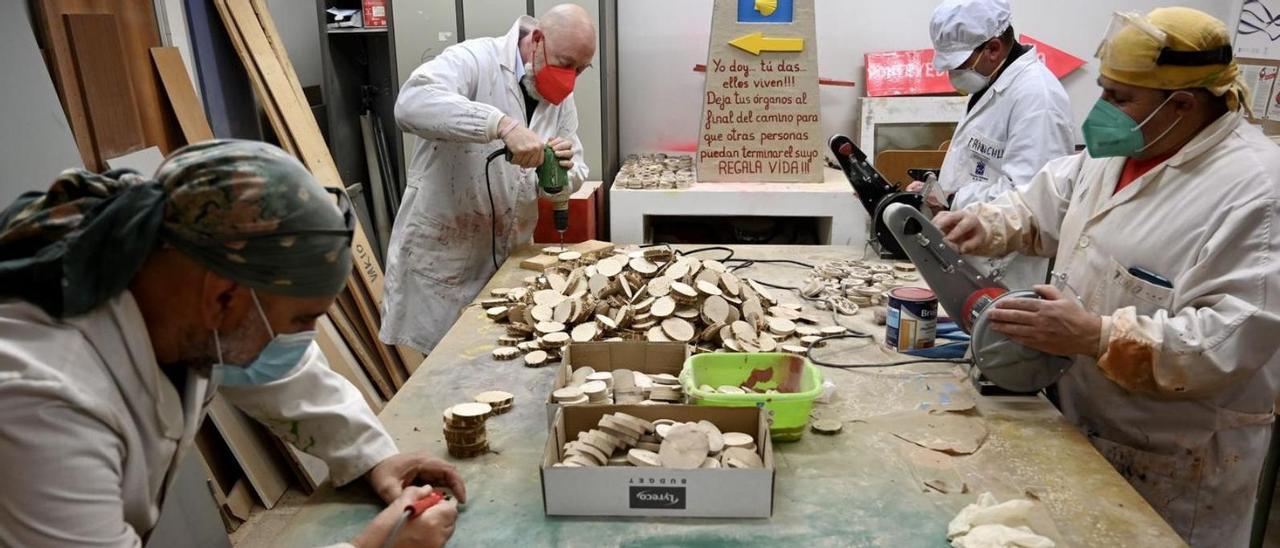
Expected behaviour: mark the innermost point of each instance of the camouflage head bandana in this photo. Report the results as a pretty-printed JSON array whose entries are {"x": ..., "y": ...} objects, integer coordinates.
[{"x": 246, "y": 210}]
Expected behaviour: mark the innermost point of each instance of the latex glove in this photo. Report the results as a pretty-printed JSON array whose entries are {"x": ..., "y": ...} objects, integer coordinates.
[
  {"x": 397, "y": 472},
  {"x": 564, "y": 151},
  {"x": 525, "y": 146},
  {"x": 1054, "y": 324}
]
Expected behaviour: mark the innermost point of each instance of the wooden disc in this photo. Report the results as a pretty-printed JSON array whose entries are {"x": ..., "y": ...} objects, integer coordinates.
[
  {"x": 471, "y": 410},
  {"x": 638, "y": 422},
  {"x": 738, "y": 439},
  {"x": 716, "y": 309},
  {"x": 832, "y": 330},
  {"x": 730, "y": 389},
  {"x": 684, "y": 447},
  {"x": 781, "y": 327},
  {"x": 794, "y": 349},
  {"x": 576, "y": 447},
  {"x": 806, "y": 330},
  {"x": 547, "y": 297},
  {"x": 585, "y": 332},
  {"x": 506, "y": 353},
  {"x": 569, "y": 256},
  {"x": 643, "y": 266},
  {"x": 678, "y": 329},
  {"x": 715, "y": 440},
  {"x": 659, "y": 287},
  {"x": 711, "y": 462},
  {"x": 568, "y": 393},
  {"x": 553, "y": 250},
  {"x": 904, "y": 267},
  {"x": 743, "y": 331},
  {"x": 594, "y": 388},
  {"x": 656, "y": 334},
  {"x": 739, "y": 457},
  {"x": 542, "y": 313},
  {"x": 709, "y": 289},
  {"x": 563, "y": 311},
  {"x": 684, "y": 290},
  {"x": 663, "y": 307},
  {"x": 556, "y": 339},
  {"x": 549, "y": 327},
  {"x": 495, "y": 398},
  {"x": 644, "y": 458},
  {"x": 729, "y": 281},
  {"x": 609, "y": 267},
  {"x": 536, "y": 358},
  {"x": 826, "y": 426}
]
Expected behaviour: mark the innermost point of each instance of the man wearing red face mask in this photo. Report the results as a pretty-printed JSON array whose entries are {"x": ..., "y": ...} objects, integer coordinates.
[{"x": 471, "y": 100}]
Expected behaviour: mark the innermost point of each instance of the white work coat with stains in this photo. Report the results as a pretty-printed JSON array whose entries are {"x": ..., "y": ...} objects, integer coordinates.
[
  {"x": 1020, "y": 123},
  {"x": 440, "y": 254},
  {"x": 1182, "y": 398},
  {"x": 92, "y": 431}
]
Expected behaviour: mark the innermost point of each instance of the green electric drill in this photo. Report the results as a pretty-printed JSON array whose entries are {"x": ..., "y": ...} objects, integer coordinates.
[{"x": 553, "y": 179}]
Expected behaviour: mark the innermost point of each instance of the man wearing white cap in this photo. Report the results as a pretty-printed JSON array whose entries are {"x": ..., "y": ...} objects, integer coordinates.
[{"x": 1017, "y": 120}]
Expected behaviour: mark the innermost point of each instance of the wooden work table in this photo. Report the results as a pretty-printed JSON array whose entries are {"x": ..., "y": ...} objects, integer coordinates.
[{"x": 863, "y": 487}]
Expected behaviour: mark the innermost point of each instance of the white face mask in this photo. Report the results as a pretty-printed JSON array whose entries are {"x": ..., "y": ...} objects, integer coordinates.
[{"x": 968, "y": 81}]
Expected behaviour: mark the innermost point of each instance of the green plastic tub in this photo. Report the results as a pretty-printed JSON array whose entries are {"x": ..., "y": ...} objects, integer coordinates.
[{"x": 797, "y": 381}]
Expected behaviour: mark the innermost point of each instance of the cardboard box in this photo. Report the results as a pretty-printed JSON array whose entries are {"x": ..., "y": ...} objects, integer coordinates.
[
  {"x": 645, "y": 357},
  {"x": 666, "y": 492}
]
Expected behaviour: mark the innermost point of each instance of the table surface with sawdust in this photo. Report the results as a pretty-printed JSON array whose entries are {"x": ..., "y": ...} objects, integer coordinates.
[{"x": 862, "y": 487}]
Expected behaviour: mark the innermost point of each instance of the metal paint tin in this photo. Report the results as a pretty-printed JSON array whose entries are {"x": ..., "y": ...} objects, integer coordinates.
[{"x": 912, "y": 318}]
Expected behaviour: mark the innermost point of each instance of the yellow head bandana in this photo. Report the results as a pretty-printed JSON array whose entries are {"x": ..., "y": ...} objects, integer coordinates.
[{"x": 1185, "y": 30}]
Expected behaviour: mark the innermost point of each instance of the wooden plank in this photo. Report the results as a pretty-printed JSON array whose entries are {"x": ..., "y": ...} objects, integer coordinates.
[
  {"x": 310, "y": 471},
  {"x": 114, "y": 126},
  {"x": 381, "y": 217},
  {"x": 182, "y": 95},
  {"x": 268, "y": 478},
  {"x": 356, "y": 306},
  {"x": 368, "y": 313},
  {"x": 539, "y": 262},
  {"x": 410, "y": 358},
  {"x": 361, "y": 349},
  {"x": 138, "y": 33},
  {"x": 240, "y": 500},
  {"x": 296, "y": 116},
  {"x": 342, "y": 361},
  {"x": 255, "y": 80},
  {"x": 263, "y": 13}
]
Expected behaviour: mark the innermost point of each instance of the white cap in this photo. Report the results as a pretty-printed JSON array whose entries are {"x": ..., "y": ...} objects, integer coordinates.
[{"x": 960, "y": 26}]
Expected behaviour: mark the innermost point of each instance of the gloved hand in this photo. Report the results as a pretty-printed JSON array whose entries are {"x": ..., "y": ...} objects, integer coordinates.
[{"x": 525, "y": 146}]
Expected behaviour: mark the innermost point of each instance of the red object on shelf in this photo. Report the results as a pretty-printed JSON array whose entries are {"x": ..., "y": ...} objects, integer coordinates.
[
  {"x": 375, "y": 14},
  {"x": 582, "y": 217}
]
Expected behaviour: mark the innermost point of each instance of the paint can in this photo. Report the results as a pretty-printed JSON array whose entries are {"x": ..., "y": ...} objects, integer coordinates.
[{"x": 912, "y": 319}]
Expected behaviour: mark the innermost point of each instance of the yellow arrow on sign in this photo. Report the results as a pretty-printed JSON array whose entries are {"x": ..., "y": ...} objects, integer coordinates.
[{"x": 756, "y": 42}]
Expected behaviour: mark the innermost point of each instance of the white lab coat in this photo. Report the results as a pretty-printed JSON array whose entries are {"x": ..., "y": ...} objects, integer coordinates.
[
  {"x": 1181, "y": 400},
  {"x": 91, "y": 430},
  {"x": 440, "y": 252},
  {"x": 1020, "y": 123}
]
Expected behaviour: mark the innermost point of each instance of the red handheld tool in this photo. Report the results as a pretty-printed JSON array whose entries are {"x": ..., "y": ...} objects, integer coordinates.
[{"x": 412, "y": 511}]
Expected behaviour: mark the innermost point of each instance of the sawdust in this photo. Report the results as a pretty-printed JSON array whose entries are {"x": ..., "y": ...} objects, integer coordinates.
[{"x": 946, "y": 432}]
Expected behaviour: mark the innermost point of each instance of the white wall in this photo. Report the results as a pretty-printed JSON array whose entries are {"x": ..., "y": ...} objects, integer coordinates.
[
  {"x": 299, "y": 24},
  {"x": 661, "y": 40}
]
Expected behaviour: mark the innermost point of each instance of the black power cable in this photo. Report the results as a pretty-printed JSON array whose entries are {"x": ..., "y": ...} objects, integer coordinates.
[
  {"x": 833, "y": 365},
  {"x": 493, "y": 211}
]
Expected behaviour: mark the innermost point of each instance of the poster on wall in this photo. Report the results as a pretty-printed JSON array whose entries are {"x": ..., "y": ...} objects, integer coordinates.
[
  {"x": 1261, "y": 81},
  {"x": 1258, "y": 30},
  {"x": 760, "y": 110}
]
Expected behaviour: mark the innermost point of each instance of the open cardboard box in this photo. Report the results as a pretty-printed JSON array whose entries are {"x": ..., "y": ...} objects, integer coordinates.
[
  {"x": 666, "y": 492},
  {"x": 645, "y": 357}
]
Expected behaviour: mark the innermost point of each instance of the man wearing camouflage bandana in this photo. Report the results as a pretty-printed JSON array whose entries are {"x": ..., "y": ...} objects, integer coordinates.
[{"x": 125, "y": 302}]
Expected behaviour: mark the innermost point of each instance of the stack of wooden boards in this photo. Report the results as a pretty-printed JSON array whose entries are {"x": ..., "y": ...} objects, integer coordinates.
[{"x": 124, "y": 93}]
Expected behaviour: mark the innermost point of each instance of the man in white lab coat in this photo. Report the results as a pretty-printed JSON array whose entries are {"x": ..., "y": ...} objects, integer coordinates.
[
  {"x": 1017, "y": 120},
  {"x": 124, "y": 304},
  {"x": 461, "y": 216},
  {"x": 1167, "y": 231}
]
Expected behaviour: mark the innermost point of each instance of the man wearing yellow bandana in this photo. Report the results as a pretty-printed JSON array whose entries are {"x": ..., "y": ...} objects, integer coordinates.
[{"x": 1167, "y": 287}]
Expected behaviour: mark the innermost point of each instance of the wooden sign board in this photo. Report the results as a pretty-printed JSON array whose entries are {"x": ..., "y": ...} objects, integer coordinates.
[{"x": 760, "y": 116}]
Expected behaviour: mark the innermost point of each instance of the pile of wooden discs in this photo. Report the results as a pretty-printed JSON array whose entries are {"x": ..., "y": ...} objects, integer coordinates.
[
  {"x": 652, "y": 295},
  {"x": 845, "y": 286},
  {"x": 500, "y": 401},
  {"x": 620, "y": 386},
  {"x": 655, "y": 171},
  {"x": 620, "y": 439},
  {"x": 464, "y": 430}
]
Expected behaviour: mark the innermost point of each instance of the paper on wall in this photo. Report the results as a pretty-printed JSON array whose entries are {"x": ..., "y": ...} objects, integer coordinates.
[
  {"x": 1261, "y": 80},
  {"x": 1258, "y": 30}
]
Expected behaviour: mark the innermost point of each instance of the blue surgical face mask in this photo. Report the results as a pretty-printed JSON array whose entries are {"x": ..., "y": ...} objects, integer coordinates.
[{"x": 275, "y": 361}]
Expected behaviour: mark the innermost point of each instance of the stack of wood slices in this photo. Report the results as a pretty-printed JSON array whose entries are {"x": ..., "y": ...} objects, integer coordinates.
[
  {"x": 651, "y": 294},
  {"x": 620, "y": 439},
  {"x": 464, "y": 430}
]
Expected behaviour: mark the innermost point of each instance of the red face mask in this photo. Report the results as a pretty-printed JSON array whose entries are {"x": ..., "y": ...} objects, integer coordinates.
[{"x": 553, "y": 83}]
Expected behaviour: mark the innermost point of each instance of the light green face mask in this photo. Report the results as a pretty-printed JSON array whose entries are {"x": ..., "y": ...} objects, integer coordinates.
[{"x": 1109, "y": 132}]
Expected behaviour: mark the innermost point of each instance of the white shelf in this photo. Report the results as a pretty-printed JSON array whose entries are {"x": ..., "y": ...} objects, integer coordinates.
[{"x": 833, "y": 201}]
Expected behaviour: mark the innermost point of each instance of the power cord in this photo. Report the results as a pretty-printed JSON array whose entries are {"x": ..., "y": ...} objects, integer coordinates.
[
  {"x": 856, "y": 335},
  {"x": 493, "y": 211}
]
